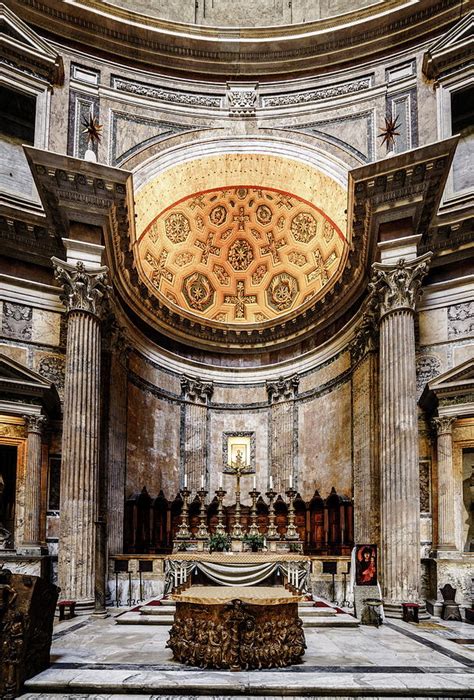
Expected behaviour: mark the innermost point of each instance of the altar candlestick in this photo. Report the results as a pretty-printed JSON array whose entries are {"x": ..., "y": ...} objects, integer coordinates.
[
  {"x": 220, "y": 480},
  {"x": 271, "y": 483},
  {"x": 185, "y": 480},
  {"x": 291, "y": 481},
  {"x": 254, "y": 482},
  {"x": 202, "y": 481}
]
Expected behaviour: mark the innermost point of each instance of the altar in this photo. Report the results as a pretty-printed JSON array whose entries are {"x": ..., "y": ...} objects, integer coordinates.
[
  {"x": 237, "y": 628},
  {"x": 237, "y": 568}
]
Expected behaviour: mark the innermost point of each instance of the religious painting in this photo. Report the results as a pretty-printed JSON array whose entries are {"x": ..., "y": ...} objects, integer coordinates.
[
  {"x": 366, "y": 565},
  {"x": 238, "y": 448}
]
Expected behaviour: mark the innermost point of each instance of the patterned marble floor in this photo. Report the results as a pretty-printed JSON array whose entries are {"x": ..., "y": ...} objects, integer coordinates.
[{"x": 95, "y": 658}]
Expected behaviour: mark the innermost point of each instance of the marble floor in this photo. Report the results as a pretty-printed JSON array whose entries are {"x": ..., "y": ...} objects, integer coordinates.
[{"x": 96, "y": 658}]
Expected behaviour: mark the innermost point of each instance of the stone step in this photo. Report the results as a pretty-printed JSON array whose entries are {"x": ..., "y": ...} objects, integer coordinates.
[
  {"x": 340, "y": 620},
  {"x": 316, "y": 612},
  {"x": 157, "y": 610},
  {"x": 138, "y": 618}
]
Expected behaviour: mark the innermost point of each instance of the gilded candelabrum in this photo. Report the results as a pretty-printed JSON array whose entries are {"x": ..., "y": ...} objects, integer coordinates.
[
  {"x": 183, "y": 532},
  {"x": 272, "y": 532},
  {"x": 291, "y": 532},
  {"x": 203, "y": 532},
  {"x": 253, "y": 530},
  {"x": 220, "y": 528},
  {"x": 238, "y": 468}
]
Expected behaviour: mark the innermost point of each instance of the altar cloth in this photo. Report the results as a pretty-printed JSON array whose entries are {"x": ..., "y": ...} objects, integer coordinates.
[
  {"x": 220, "y": 595},
  {"x": 240, "y": 569}
]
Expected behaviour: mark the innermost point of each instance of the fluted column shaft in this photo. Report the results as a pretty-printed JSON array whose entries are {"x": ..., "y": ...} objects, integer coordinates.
[
  {"x": 32, "y": 525},
  {"x": 446, "y": 515},
  {"x": 398, "y": 288},
  {"x": 84, "y": 299}
]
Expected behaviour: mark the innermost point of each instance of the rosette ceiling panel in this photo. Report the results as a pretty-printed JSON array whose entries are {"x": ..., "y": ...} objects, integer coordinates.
[{"x": 238, "y": 244}]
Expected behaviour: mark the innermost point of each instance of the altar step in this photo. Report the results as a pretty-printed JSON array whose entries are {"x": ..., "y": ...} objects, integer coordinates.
[{"x": 314, "y": 613}]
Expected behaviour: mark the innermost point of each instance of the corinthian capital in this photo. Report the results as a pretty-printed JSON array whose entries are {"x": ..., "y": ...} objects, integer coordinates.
[
  {"x": 35, "y": 423},
  {"x": 399, "y": 286},
  {"x": 84, "y": 290},
  {"x": 443, "y": 424}
]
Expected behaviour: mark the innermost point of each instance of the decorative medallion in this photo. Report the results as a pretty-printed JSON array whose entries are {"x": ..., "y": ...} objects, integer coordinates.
[
  {"x": 259, "y": 274},
  {"x": 282, "y": 291},
  {"x": 222, "y": 275},
  {"x": 264, "y": 214},
  {"x": 240, "y": 254},
  {"x": 298, "y": 259},
  {"x": 198, "y": 291},
  {"x": 218, "y": 215},
  {"x": 303, "y": 227},
  {"x": 177, "y": 227},
  {"x": 182, "y": 259}
]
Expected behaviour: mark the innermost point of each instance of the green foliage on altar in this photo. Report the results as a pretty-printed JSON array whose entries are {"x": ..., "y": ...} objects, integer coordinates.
[
  {"x": 256, "y": 542},
  {"x": 219, "y": 542}
]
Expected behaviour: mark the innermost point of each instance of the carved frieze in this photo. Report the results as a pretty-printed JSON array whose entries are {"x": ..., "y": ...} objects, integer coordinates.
[
  {"x": 397, "y": 287},
  {"x": 366, "y": 336},
  {"x": 174, "y": 96},
  {"x": 283, "y": 389},
  {"x": 17, "y": 321},
  {"x": 84, "y": 290},
  {"x": 327, "y": 92},
  {"x": 196, "y": 390}
]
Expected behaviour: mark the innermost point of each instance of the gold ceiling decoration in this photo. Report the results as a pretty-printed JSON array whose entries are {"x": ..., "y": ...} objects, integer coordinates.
[{"x": 241, "y": 254}]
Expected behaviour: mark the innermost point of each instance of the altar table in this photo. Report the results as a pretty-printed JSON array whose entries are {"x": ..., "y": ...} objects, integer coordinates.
[
  {"x": 237, "y": 568},
  {"x": 237, "y": 627}
]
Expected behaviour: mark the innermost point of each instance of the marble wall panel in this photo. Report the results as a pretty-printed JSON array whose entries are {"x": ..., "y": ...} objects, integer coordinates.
[
  {"x": 325, "y": 374},
  {"x": 239, "y": 394},
  {"x": 17, "y": 321},
  {"x": 232, "y": 421},
  {"x": 283, "y": 444},
  {"x": 463, "y": 353},
  {"x": 46, "y": 327},
  {"x": 195, "y": 444},
  {"x": 152, "y": 443},
  {"x": 433, "y": 325},
  {"x": 164, "y": 380},
  {"x": 325, "y": 452},
  {"x": 461, "y": 320},
  {"x": 15, "y": 353}
]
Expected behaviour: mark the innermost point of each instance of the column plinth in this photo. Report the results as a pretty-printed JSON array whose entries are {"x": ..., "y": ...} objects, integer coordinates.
[
  {"x": 32, "y": 527},
  {"x": 446, "y": 515},
  {"x": 397, "y": 288},
  {"x": 85, "y": 299}
]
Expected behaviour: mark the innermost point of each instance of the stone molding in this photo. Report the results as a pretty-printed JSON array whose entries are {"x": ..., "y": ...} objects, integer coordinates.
[
  {"x": 196, "y": 391},
  {"x": 35, "y": 423},
  {"x": 327, "y": 92},
  {"x": 283, "y": 389},
  {"x": 173, "y": 96},
  {"x": 398, "y": 287},
  {"x": 444, "y": 424},
  {"x": 84, "y": 290}
]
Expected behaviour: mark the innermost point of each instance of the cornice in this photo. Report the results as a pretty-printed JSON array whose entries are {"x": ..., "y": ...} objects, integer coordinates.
[{"x": 317, "y": 46}]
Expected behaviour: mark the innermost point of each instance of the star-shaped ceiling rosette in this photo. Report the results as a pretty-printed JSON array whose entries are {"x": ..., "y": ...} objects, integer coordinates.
[{"x": 241, "y": 254}]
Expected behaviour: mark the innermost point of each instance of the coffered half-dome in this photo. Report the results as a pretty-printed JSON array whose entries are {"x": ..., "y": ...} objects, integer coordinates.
[{"x": 236, "y": 243}]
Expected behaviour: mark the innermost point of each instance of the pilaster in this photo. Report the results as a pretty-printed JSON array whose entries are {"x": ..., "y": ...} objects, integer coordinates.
[
  {"x": 35, "y": 425},
  {"x": 446, "y": 486},
  {"x": 196, "y": 395},
  {"x": 283, "y": 430}
]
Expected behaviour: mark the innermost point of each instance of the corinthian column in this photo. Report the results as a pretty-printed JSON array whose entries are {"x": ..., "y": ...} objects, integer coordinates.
[
  {"x": 446, "y": 515},
  {"x": 397, "y": 288},
  {"x": 84, "y": 297},
  {"x": 34, "y": 426}
]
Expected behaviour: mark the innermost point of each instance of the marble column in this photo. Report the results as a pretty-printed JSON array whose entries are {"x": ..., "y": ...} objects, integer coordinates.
[
  {"x": 397, "y": 288},
  {"x": 32, "y": 526},
  {"x": 446, "y": 513},
  {"x": 85, "y": 292},
  {"x": 196, "y": 395}
]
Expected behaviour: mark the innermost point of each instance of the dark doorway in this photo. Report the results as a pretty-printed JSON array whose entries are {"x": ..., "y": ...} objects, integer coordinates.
[{"x": 8, "y": 458}]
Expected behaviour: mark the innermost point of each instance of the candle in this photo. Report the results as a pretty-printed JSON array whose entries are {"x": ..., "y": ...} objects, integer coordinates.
[
  {"x": 271, "y": 483},
  {"x": 254, "y": 483},
  {"x": 291, "y": 481},
  {"x": 185, "y": 480},
  {"x": 202, "y": 481},
  {"x": 220, "y": 480}
]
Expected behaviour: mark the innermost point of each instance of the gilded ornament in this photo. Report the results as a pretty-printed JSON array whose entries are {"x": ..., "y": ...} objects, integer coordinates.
[
  {"x": 198, "y": 291},
  {"x": 282, "y": 291},
  {"x": 221, "y": 274},
  {"x": 263, "y": 214},
  {"x": 298, "y": 259},
  {"x": 304, "y": 227},
  {"x": 183, "y": 259},
  {"x": 218, "y": 215},
  {"x": 259, "y": 274},
  {"x": 240, "y": 254},
  {"x": 177, "y": 227}
]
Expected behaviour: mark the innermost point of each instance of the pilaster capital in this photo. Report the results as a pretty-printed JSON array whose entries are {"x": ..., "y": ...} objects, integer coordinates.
[
  {"x": 35, "y": 423},
  {"x": 196, "y": 390},
  {"x": 396, "y": 287},
  {"x": 283, "y": 389},
  {"x": 443, "y": 424},
  {"x": 84, "y": 289}
]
